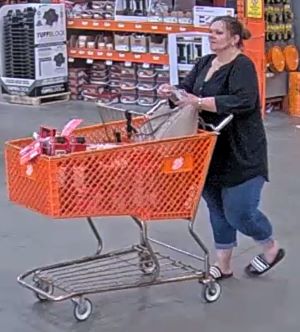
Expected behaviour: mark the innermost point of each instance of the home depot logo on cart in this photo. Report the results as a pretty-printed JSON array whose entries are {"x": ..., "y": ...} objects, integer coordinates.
[{"x": 178, "y": 164}]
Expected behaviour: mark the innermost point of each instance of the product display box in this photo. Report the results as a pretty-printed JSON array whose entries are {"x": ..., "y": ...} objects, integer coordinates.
[{"x": 34, "y": 60}]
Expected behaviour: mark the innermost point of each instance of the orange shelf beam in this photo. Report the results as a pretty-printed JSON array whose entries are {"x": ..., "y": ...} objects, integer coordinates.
[
  {"x": 95, "y": 54},
  {"x": 145, "y": 27}
]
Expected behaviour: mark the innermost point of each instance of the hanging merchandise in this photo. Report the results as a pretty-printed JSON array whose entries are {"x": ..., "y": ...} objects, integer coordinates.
[{"x": 34, "y": 50}]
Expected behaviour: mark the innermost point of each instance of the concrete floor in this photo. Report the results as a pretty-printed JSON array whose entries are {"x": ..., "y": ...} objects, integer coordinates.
[{"x": 29, "y": 240}]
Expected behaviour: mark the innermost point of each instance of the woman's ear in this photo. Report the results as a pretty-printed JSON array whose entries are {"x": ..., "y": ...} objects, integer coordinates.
[{"x": 236, "y": 40}]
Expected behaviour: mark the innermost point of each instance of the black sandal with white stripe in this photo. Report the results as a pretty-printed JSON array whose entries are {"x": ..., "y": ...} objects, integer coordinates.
[
  {"x": 259, "y": 265},
  {"x": 217, "y": 274}
]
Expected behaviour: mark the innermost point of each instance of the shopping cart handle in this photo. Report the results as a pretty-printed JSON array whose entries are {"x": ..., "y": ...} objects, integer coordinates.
[{"x": 221, "y": 125}]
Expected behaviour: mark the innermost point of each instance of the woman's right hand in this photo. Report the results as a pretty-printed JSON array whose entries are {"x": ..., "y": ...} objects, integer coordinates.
[{"x": 165, "y": 90}]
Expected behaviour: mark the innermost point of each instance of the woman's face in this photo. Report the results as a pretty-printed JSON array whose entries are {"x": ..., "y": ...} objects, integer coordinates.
[{"x": 220, "y": 37}]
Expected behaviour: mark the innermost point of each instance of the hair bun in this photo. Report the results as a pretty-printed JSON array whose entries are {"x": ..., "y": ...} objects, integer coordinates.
[{"x": 246, "y": 34}]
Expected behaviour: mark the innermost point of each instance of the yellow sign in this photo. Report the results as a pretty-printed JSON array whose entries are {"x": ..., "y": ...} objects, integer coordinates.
[{"x": 254, "y": 8}]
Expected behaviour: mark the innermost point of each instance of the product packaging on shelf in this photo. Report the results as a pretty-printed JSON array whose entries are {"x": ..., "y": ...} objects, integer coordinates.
[{"x": 132, "y": 10}]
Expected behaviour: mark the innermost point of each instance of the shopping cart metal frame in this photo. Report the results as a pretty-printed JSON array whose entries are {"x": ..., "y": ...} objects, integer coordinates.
[{"x": 99, "y": 273}]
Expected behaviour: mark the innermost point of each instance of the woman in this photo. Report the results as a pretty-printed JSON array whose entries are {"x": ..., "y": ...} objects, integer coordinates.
[{"x": 222, "y": 83}]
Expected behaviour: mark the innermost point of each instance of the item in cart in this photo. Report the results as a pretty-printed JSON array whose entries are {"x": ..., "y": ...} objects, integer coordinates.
[
  {"x": 47, "y": 132},
  {"x": 59, "y": 145},
  {"x": 77, "y": 144}
]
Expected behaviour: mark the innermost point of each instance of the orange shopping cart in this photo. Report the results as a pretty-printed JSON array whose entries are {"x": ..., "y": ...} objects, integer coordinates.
[{"x": 147, "y": 180}]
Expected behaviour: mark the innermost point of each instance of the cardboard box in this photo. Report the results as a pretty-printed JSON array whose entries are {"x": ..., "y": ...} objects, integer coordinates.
[
  {"x": 122, "y": 42},
  {"x": 158, "y": 44},
  {"x": 139, "y": 43}
]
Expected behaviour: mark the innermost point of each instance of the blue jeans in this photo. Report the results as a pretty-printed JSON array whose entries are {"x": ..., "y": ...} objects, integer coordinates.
[{"x": 236, "y": 209}]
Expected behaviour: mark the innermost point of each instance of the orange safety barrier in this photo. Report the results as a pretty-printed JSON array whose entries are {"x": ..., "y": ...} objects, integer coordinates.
[
  {"x": 149, "y": 180},
  {"x": 294, "y": 94}
]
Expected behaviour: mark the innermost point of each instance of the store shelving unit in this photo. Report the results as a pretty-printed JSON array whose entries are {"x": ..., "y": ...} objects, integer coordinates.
[{"x": 255, "y": 48}]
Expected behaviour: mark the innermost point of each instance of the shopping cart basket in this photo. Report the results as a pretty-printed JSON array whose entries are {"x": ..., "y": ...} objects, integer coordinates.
[{"x": 152, "y": 180}]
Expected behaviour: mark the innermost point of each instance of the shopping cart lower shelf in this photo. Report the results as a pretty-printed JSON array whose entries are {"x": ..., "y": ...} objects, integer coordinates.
[{"x": 133, "y": 267}]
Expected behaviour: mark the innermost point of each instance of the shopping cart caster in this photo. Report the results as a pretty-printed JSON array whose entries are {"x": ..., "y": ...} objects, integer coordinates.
[
  {"x": 82, "y": 309},
  {"x": 146, "y": 265},
  {"x": 211, "y": 291},
  {"x": 44, "y": 286}
]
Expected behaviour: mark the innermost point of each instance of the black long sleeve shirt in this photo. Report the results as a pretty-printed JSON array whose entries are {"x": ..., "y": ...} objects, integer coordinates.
[{"x": 241, "y": 150}]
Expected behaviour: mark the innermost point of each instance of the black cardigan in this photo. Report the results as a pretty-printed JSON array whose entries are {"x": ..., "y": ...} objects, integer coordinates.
[{"x": 241, "y": 149}]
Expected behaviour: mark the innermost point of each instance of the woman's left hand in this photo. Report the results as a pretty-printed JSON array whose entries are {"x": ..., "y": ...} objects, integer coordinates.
[{"x": 188, "y": 100}]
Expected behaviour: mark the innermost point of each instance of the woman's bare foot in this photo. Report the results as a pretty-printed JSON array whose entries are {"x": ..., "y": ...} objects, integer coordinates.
[{"x": 270, "y": 250}]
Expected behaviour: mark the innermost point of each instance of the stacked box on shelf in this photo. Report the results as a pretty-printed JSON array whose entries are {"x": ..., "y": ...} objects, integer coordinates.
[
  {"x": 129, "y": 84},
  {"x": 77, "y": 78},
  {"x": 100, "y": 9},
  {"x": 97, "y": 83}
]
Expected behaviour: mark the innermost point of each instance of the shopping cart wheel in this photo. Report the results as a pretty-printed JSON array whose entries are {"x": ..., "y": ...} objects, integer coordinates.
[
  {"x": 44, "y": 286},
  {"x": 83, "y": 310},
  {"x": 211, "y": 291},
  {"x": 147, "y": 265}
]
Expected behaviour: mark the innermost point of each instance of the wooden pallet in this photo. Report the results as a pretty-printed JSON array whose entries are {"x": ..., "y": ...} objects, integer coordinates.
[{"x": 37, "y": 101}]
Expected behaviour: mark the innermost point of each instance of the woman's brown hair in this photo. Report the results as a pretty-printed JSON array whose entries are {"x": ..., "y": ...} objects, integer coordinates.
[{"x": 235, "y": 27}]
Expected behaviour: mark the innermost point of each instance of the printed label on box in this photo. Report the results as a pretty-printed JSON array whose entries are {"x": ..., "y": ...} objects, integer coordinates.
[
  {"x": 170, "y": 19},
  {"x": 50, "y": 24},
  {"x": 185, "y": 20},
  {"x": 122, "y": 48},
  {"x": 155, "y": 19},
  {"x": 51, "y": 61},
  {"x": 157, "y": 50},
  {"x": 138, "y": 49}
]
